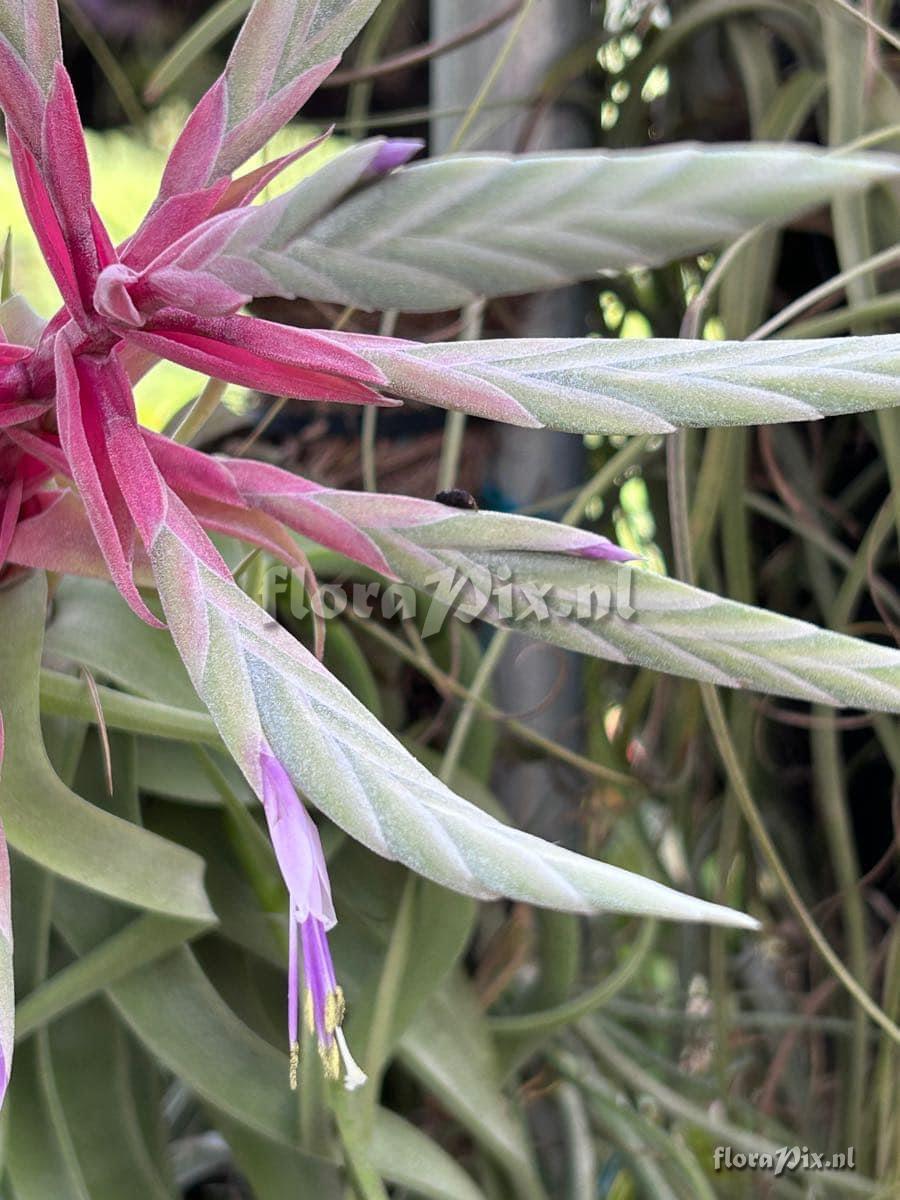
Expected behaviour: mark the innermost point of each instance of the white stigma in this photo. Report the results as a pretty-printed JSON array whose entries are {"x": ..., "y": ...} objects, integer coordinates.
[{"x": 354, "y": 1076}]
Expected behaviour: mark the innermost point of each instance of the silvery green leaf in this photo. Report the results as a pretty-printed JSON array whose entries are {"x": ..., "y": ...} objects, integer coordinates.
[
  {"x": 563, "y": 585},
  {"x": 440, "y": 234},
  {"x": 653, "y": 385},
  {"x": 29, "y": 53},
  {"x": 628, "y": 614},
  {"x": 31, "y": 29},
  {"x": 283, "y": 52},
  {"x": 281, "y": 40},
  {"x": 259, "y": 682}
]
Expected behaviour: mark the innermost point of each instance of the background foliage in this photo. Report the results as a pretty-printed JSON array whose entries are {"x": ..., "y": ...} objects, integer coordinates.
[{"x": 522, "y": 1053}]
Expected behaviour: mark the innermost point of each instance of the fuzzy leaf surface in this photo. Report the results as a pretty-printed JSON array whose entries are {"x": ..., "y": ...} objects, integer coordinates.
[
  {"x": 259, "y": 682},
  {"x": 440, "y": 234},
  {"x": 652, "y": 385},
  {"x": 631, "y": 615}
]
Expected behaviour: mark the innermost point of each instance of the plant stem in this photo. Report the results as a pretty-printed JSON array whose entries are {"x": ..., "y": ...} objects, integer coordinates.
[
  {"x": 65, "y": 696},
  {"x": 455, "y": 424},
  {"x": 200, "y": 411}
]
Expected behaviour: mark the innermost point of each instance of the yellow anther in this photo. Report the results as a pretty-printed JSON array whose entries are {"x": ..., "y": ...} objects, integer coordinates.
[
  {"x": 331, "y": 1060},
  {"x": 309, "y": 1012},
  {"x": 334, "y": 1010},
  {"x": 294, "y": 1065}
]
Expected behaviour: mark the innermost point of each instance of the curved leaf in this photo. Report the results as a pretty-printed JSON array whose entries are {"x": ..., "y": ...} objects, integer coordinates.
[
  {"x": 48, "y": 822},
  {"x": 107, "y": 1139},
  {"x": 41, "y": 1157},
  {"x": 443, "y": 233},
  {"x": 183, "y": 1021},
  {"x": 136, "y": 657},
  {"x": 141, "y": 941},
  {"x": 407, "y": 1157},
  {"x": 259, "y": 681}
]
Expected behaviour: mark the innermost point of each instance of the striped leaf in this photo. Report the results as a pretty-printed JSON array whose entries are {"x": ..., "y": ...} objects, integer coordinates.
[
  {"x": 624, "y": 386},
  {"x": 440, "y": 234},
  {"x": 632, "y": 615},
  {"x": 564, "y": 586},
  {"x": 258, "y": 681}
]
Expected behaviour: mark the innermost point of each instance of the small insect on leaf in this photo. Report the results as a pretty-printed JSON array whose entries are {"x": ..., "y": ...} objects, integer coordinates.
[{"x": 457, "y": 498}]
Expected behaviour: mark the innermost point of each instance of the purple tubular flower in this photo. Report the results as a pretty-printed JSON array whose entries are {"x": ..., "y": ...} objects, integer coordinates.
[{"x": 302, "y": 865}]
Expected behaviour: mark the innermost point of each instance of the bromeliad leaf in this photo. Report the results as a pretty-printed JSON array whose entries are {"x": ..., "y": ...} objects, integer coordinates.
[
  {"x": 49, "y": 823},
  {"x": 284, "y": 51},
  {"x": 570, "y": 588},
  {"x": 259, "y": 683},
  {"x": 629, "y": 615},
  {"x": 443, "y": 233},
  {"x": 625, "y": 386},
  {"x": 31, "y": 29},
  {"x": 283, "y": 40},
  {"x": 29, "y": 51}
]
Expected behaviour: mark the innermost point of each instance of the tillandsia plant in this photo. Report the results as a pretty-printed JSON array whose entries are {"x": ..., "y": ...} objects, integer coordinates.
[{"x": 86, "y": 491}]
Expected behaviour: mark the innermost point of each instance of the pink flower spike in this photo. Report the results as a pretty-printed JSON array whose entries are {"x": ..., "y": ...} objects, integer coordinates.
[
  {"x": 198, "y": 292},
  {"x": 112, "y": 296},
  {"x": 193, "y": 157},
  {"x": 279, "y": 359},
  {"x": 57, "y": 536},
  {"x": 43, "y": 447},
  {"x": 10, "y": 507},
  {"x": 302, "y": 865},
  {"x": 191, "y": 472},
  {"x": 45, "y": 223},
  {"x": 293, "y": 502},
  {"x": 167, "y": 224},
  {"x": 20, "y": 414},
  {"x": 89, "y": 402},
  {"x": 68, "y": 177},
  {"x": 128, "y": 299}
]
